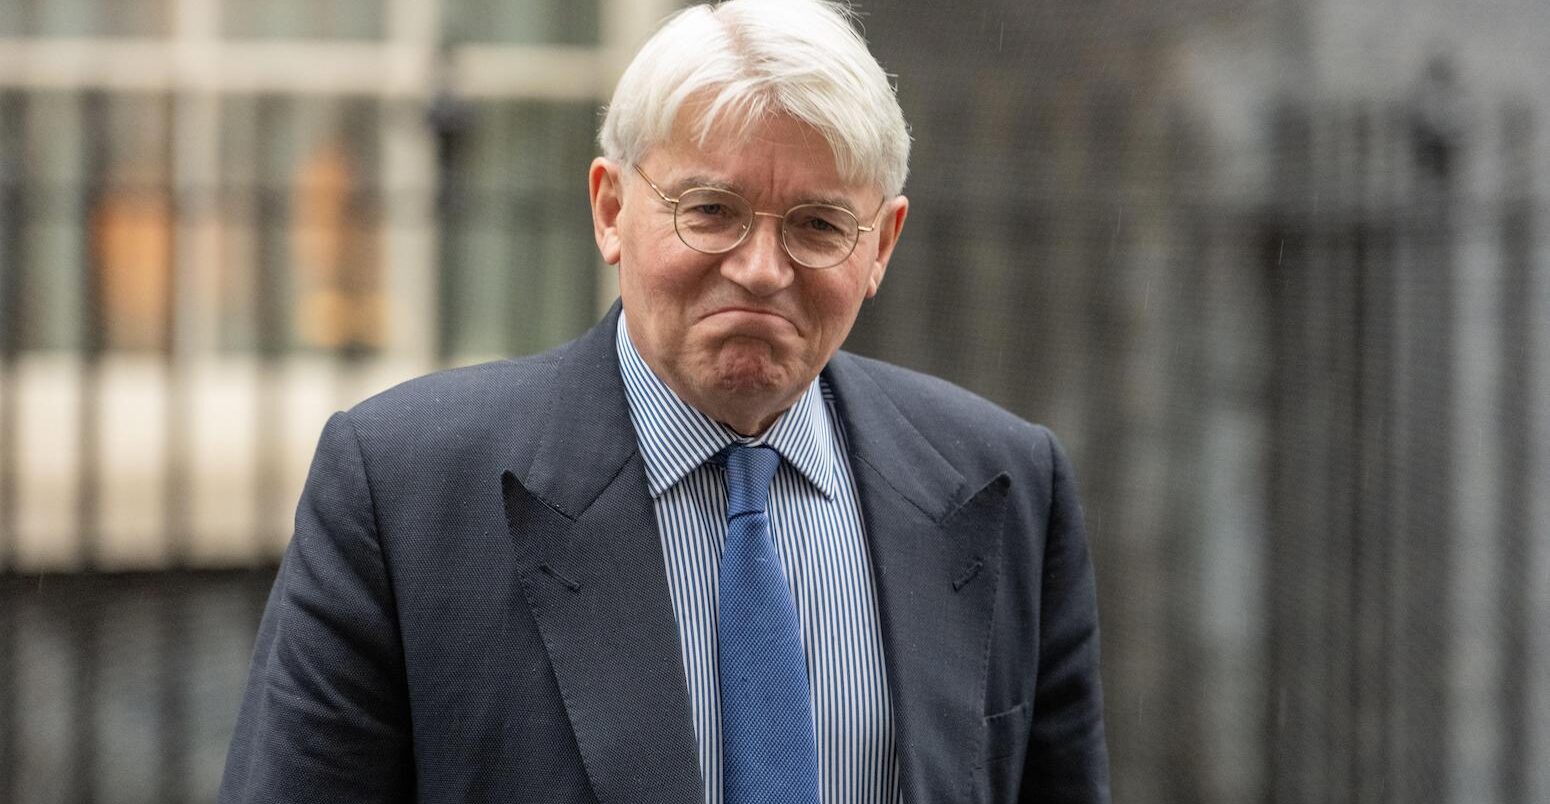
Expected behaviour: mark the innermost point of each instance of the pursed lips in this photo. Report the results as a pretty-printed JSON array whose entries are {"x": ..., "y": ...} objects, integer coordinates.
[{"x": 753, "y": 313}]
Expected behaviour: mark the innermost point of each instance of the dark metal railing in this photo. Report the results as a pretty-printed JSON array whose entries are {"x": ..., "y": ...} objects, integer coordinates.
[
  {"x": 1364, "y": 260},
  {"x": 122, "y": 686}
]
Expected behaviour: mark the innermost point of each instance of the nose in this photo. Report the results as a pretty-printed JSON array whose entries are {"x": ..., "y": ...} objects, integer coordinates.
[{"x": 760, "y": 264}]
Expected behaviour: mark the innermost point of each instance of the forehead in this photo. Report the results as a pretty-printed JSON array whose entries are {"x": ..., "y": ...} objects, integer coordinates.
[{"x": 777, "y": 158}]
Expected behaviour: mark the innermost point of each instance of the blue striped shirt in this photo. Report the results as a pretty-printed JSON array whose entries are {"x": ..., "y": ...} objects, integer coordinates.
[{"x": 815, "y": 521}]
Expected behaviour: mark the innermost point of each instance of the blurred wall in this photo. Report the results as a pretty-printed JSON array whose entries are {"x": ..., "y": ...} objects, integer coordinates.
[{"x": 1275, "y": 272}]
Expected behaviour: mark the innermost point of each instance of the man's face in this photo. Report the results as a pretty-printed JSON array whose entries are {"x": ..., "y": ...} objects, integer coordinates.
[{"x": 738, "y": 335}]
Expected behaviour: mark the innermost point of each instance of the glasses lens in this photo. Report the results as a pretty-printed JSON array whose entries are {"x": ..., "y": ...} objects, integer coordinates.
[
  {"x": 712, "y": 220},
  {"x": 819, "y": 236}
]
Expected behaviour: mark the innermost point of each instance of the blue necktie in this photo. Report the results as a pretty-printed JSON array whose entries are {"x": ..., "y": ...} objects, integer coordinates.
[{"x": 767, "y": 749}]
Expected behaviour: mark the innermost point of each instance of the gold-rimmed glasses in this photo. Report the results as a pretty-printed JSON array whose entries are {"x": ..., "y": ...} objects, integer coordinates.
[{"x": 711, "y": 220}]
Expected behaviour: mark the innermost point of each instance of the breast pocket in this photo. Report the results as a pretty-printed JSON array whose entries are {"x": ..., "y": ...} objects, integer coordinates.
[{"x": 1006, "y": 748}]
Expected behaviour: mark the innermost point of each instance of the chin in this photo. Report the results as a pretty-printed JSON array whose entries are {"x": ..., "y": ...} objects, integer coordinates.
[
  {"x": 743, "y": 367},
  {"x": 749, "y": 376}
]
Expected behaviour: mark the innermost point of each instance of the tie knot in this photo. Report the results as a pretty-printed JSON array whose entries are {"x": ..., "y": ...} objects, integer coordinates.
[{"x": 749, "y": 472}]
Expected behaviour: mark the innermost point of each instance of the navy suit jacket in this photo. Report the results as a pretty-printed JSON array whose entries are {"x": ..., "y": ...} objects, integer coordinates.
[{"x": 474, "y": 606}]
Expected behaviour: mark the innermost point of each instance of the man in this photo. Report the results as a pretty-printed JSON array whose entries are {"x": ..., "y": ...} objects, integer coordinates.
[{"x": 698, "y": 554}]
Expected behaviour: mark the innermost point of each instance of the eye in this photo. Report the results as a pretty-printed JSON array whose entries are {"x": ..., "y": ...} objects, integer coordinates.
[
  {"x": 819, "y": 222},
  {"x": 711, "y": 210}
]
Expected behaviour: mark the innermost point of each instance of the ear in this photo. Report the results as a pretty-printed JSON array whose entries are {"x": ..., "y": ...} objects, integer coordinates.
[
  {"x": 607, "y": 193},
  {"x": 889, "y": 227}
]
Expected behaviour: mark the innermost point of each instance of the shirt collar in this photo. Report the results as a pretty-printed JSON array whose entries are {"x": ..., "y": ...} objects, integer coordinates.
[{"x": 675, "y": 438}]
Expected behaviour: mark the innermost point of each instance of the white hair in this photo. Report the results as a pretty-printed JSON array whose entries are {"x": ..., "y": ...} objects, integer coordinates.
[{"x": 744, "y": 61}]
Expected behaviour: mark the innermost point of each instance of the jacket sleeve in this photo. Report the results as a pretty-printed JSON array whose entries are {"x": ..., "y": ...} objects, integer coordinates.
[
  {"x": 1067, "y": 760},
  {"x": 325, "y": 714}
]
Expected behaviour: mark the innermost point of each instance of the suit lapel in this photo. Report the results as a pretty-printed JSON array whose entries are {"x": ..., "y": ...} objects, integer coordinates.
[
  {"x": 935, "y": 538},
  {"x": 591, "y": 569}
]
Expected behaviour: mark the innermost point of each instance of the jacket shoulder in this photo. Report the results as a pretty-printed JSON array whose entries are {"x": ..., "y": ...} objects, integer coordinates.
[
  {"x": 939, "y": 402},
  {"x": 472, "y": 387},
  {"x": 466, "y": 411},
  {"x": 968, "y": 430}
]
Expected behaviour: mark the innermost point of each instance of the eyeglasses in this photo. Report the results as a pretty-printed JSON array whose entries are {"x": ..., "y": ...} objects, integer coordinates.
[{"x": 714, "y": 221}]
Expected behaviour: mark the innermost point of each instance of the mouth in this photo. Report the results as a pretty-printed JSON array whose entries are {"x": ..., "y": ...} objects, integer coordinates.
[
  {"x": 749, "y": 317},
  {"x": 749, "y": 312}
]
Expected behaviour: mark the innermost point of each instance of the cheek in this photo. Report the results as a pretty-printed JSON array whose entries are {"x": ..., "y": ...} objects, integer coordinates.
[
  {"x": 837, "y": 299},
  {"x": 664, "y": 294},
  {"x": 652, "y": 272}
]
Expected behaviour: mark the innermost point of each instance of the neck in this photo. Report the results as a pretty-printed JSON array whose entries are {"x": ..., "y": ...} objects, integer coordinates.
[{"x": 746, "y": 417}]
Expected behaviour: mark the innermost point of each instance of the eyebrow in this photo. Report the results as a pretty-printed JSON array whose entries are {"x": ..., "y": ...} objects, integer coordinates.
[{"x": 687, "y": 183}]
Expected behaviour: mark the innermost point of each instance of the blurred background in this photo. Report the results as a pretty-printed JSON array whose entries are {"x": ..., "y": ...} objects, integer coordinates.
[{"x": 1276, "y": 272}]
